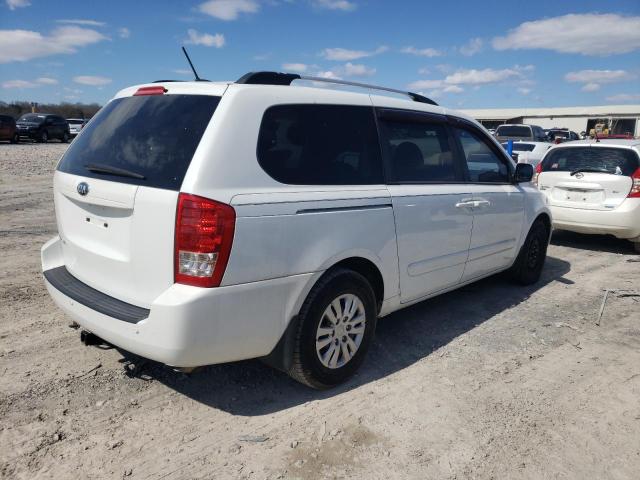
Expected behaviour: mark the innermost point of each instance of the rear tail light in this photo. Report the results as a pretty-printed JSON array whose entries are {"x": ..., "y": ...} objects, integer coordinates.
[
  {"x": 635, "y": 186},
  {"x": 537, "y": 172},
  {"x": 204, "y": 234},
  {"x": 155, "y": 90}
]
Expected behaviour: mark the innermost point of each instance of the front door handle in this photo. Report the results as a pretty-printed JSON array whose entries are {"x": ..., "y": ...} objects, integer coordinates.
[
  {"x": 465, "y": 204},
  {"x": 481, "y": 203}
]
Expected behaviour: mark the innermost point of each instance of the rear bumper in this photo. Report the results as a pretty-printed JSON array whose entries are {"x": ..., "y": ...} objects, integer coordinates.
[
  {"x": 622, "y": 222},
  {"x": 189, "y": 326}
]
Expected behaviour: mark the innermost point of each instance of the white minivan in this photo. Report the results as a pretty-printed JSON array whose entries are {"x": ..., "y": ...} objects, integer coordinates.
[
  {"x": 202, "y": 222},
  {"x": 593, "y": 186}
]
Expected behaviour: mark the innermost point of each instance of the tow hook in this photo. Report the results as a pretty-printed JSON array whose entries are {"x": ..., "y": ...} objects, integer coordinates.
[{"x": 89, "y": 338}]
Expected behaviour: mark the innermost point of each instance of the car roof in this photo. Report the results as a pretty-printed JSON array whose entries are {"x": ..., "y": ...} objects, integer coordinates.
[
  {"x": 602, "y": 142},
  {"x": 219, "y": 88}
]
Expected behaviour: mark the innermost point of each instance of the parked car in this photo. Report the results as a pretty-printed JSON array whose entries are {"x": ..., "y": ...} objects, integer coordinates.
[
  {"x": 43, "y": 127},
  {"x": 8, "y": 129},
  {"x": 528, "y": 152},
  {"x": 559, "y": 135},
  {"x": 75, "y": 125},
  {"x": 520, "y": 132},
  {"x": 203, "y": 223},
  {"x": 594, "y": 187}
]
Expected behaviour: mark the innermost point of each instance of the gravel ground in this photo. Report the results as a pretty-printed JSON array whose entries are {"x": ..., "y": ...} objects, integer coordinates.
[{"x": 491, "y": 381}]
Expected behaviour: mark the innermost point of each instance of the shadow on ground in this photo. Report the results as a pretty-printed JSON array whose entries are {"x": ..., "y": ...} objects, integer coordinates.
[
  {"x": 402, "y": 338},
  {"x": 594, "y": 243}
]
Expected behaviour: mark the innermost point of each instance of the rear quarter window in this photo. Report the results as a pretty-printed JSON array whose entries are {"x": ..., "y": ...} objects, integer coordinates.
[
  {"x": 153, "y": 136},
  {"x": 620, "y": 161},
  {"x": 320, "y": 145}
]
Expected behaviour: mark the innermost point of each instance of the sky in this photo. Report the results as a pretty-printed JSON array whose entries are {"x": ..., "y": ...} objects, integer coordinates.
[{"x": 463, "y": 54}]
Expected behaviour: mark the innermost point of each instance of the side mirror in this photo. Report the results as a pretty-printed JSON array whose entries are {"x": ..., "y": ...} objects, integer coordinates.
[{"x": 524, "y": 173}]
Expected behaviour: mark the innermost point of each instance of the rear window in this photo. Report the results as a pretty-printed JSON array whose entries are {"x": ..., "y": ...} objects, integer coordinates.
[
  {"x": 150, "y": 136},
  {"x": 521, "y": 147},
  {"x": 75, "y": 122},
  {"x": 618, "y": 161},
  {"x": 320, "y": 145},
  {"x": 513, "y": 131}
]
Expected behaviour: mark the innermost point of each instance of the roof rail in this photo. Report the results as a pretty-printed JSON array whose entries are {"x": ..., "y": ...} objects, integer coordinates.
[{"x": 278, "y": 78}]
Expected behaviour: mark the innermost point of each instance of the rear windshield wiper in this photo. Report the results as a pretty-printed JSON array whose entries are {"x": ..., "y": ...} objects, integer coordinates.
[
  {"x": 121, "y": 172},
  {"x": 596, "y": 170}
]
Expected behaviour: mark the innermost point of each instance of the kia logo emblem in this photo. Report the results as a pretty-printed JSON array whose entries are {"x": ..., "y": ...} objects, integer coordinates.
[{"x": 83, "y": 188}]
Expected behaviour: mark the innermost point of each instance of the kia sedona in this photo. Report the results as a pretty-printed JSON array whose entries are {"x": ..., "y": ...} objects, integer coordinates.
[{"x": 209, "y": 222}]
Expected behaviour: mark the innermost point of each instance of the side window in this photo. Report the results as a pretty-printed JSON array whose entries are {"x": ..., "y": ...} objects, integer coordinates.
[
  {"x": 320, "y": 145},
  {"x": 483, "y": 163},
  {"x": 419, "y": 152}
]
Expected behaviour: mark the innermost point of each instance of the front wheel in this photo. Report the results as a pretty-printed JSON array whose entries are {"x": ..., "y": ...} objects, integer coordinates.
[
  {"x": 336, "y": 326},
  {"x": 65, "y": 137},
  {"x": 15, "y": 138},
  {"x": 528, "y": 265},
  {"x": 44, "y": 137}
]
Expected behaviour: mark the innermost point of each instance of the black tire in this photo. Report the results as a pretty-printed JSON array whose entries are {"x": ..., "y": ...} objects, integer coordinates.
[
  {"x": 65, "y": 138},
  {"x": 44, "y": 137},
  {"x": 306, "y": 366},
  {"x": 636, "y": 246},
  {"x": 15, "y": 138},
  {"x": 527, "y": 268}
]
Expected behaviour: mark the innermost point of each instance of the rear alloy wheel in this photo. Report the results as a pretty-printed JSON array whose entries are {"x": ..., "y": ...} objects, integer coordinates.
[
  {"x": 336, "y": 326},
  {"x": 528, "y": 265},
  {"x": 65, "y": 138},
  {"x": 44, "y": 137}
]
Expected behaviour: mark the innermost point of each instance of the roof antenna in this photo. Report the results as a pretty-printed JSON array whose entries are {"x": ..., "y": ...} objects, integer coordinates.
[{"x": 198, "y": 79}]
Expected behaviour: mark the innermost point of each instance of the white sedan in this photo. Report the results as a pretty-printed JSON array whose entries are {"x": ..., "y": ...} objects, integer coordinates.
[
  {"x": 594, "y": 187},
  {"x": 529, "y": 152}
]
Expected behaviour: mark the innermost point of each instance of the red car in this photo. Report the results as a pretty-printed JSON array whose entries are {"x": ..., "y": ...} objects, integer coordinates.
[{"x": 8, "y": 129}]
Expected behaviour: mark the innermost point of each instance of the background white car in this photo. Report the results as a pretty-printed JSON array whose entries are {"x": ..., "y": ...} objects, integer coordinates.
[
  {"x": 75, "y": 125},
  {"x": 594, "y": 187},
  {"x": 529, "y": 152}
]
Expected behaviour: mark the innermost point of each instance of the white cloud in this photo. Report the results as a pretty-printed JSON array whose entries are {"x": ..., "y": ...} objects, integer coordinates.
[
  {"x": 345, "y": 55},
  {"x": 587, "y": 34},
  {"x": 94, "y": 81},
  {"x": 19, "y": 84},
  {"x": 46, "y": 81},
  {"x": 422, "y": 52},
  {"x": 598, "y": 76},
  {"x": 23, "y": 45},
  {"x": 624, "y": 98},
  {"x": 124, "y": 32},
  {"x": 228, "y": 9},
  {"x": 13, "y": 4},
  {"x": 424, "y": 84},
  {"x": 480, "y": 77},
  {"x": 295, "y": 67},
  {"x": 453, "y": 89},
  {"x": 358, "y": 70},
  {"x": 328, "y": 74},
  {"x": 472, "y": 47},
  {"x": 77, "y": 21},
  {"x": 590, "y": 87},
  {"x": 524, "y": 90},
  {"x": 343, "y": 5},
  {"x": 593, "y": 79},
  {"x": 206, "y": 39},
  {"x": 424, "y": 71}
]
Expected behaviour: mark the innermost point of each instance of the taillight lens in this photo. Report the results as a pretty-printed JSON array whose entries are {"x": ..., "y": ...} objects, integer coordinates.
[
  {"x": 204, "y": 234},
  {"x": 635, "y": 186},
  {"x": 537, "y": 172}
]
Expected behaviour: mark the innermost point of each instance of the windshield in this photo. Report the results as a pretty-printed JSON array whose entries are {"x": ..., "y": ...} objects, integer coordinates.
[
  {"x": 520, "y": 147},
  {"x": 513, "y": 131},
  {"x": 559, "y": 133},
  {"x": 153, "y": 136},
  {"x": 618, "y": 161},
  {"x": 31, "y": 117}
]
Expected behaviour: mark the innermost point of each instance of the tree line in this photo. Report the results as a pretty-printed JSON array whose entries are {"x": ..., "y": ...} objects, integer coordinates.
[{"x": 65, "y": 110}]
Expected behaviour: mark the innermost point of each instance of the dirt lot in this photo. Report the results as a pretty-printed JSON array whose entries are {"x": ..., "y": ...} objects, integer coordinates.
[{"x": 492, "y": 381}]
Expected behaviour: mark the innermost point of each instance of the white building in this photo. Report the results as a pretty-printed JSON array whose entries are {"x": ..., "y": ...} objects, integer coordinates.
[{"x": 620, "y": 119}]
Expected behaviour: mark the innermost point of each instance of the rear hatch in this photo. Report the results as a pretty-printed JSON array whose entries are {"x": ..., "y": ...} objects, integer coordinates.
[
  {"x": 513, "y": 132},
  {"x": 116, "y": 190},
  {"x": 588, "y": 177}
]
